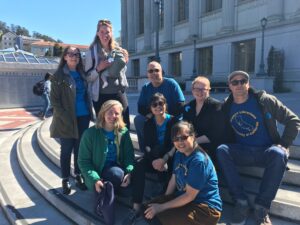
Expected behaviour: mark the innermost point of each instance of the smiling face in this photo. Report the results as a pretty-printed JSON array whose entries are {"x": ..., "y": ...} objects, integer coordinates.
[
  {"x": 112, "y": 116},
  {"x": 154, "y": 73},
  {"x": 200, "y": 91},
  {"x": 71, "y": 57},
  {"x": 184, "y": 140},
  {"x": 105, "y": 35},
  {"x": 158, "y": 107}
]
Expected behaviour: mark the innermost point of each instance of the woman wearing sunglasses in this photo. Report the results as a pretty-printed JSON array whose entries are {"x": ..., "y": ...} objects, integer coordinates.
[
  {"x": 204, "y": 112},
  {"x": 192, "y": 196},
  {"x": 157, "y": 133},
  {"x": 105, "y": 65},
  {"x": 72, "y": 111}
]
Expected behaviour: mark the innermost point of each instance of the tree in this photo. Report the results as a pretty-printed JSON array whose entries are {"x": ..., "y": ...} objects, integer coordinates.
[
  {"x": 4, "y": 27},
  {"x": 22, "y": 31},
  {"x": 57, "y": 50},
  {"x": 49, "y": 52},
  {"x": 42, "y": 36}
]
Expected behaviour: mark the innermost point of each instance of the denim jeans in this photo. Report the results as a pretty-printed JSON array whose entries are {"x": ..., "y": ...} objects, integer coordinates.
[
  {"x": 67, "y": 145},
  {"x": 139, "y": 121},
  {"x": 46, "y": 103},
  {"x": 273, "y": 159}
]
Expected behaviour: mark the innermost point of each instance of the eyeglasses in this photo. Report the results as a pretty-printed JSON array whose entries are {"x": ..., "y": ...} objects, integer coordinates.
[
  {"x": 72, "y": 54},
  {"x": 153, "y": 70},
  {"x": 181, "y": 138},
  {"x": 159, "y": 103},
  {"x": 200, "y": 89},
  {"x": 237, "y": 82}
]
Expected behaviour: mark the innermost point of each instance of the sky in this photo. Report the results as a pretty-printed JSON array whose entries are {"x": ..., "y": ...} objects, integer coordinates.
[{"x": 72, "y": 21}]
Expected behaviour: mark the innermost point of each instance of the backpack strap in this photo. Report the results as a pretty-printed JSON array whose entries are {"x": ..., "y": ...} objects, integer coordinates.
[{"x": 93, "y": 60}]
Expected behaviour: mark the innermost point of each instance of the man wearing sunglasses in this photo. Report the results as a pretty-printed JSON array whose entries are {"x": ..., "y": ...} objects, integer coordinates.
[
  {"x": 157, "y": 84},
  {"x": 252, "y": 139}
]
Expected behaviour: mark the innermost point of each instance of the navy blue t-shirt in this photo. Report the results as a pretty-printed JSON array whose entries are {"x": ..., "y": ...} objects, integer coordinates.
[
  {"x": 247, "y": 122},
  {"x": 198, "y": 171}
]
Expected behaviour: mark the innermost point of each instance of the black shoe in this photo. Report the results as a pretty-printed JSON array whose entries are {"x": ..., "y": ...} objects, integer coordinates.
[
  {"x": 80, "y": 182},
  {"x": 66, "y": 186}
]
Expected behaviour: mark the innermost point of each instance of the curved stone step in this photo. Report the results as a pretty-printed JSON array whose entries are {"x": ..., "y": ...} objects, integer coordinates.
[
  {"x": 44, "y": 176},
  {"x": 21, "y": 203}
]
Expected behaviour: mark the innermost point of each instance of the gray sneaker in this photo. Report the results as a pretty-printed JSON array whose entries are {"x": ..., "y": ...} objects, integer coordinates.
[
  {"x": 240, "y": 212},
  {"x": 261, "y": 216}
]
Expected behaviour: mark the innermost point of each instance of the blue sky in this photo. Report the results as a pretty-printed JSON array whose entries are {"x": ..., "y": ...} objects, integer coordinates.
[{"x": 72, "y": 21}]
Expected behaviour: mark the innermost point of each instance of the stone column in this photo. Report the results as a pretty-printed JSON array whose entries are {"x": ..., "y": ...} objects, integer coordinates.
[
  {"x": 130, "y": 26},
  {"x": 147, "y": 25},
  {"x": 227, "y": 16},
  {"x": 194, "y": 18},
  {"x": 124, "y": 24},
  {"x": 168, "y": 24},
  {"x": 275, "y": 10}
]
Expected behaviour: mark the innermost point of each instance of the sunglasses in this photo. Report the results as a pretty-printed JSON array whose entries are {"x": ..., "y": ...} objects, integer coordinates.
[
  {"x": 155, "y": 104},
  {"x": 200, "y": 89},
  {"x": 72, "y": 54},
  {"x": 103, "y": 22},
  {"x": 181, "y": 138},
  {"x": 153, "y": 70},
  {"x": 237, "y": 82}
]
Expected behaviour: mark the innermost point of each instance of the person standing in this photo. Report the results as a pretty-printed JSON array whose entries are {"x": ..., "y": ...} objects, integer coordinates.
[
  {"x": 253, "y": 140},
  {"x": 46, "y": 95},
  {"x": 105, "y": 65},
  {"x": 72, "y": 112},
  {"x": 157, "y": 83}
]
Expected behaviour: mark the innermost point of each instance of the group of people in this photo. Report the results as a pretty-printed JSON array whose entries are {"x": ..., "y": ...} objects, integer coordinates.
[{"x": 182, "y": 143}]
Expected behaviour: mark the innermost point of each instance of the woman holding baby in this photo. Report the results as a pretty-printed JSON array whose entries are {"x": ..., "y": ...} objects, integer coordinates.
[{"x": 106, "y": 66}]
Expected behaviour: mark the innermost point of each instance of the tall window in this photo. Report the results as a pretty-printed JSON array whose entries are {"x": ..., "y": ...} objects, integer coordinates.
[
  {"x": 205, "y": 56},
  {"x": 183, "y": 10},
  {"x": 212, "y": 5},
  {"x": 176, "y": 59},
  {"x": 136, "y": 67},
  {"x": 141, "y": 17},
  {"x": 244, "y": 55}
]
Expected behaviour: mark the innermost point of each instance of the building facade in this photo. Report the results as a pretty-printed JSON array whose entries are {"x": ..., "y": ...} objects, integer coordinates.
[
  {"x": 212, "y": 37},
  {"x": 8, "y": 40}
]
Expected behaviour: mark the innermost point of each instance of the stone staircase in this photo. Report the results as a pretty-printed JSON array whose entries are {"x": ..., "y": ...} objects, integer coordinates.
[{"x": 30, "y": 185}]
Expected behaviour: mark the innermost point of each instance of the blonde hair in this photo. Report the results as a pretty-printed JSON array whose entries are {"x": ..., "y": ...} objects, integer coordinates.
[
  {"x": 105, "y": 22},
  {"x": 104, "y": 108},
  {"x": 201, "y": 79}
]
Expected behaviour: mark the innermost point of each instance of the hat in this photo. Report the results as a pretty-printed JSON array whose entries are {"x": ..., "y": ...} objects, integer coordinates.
[{"x": 238, "y": 72}]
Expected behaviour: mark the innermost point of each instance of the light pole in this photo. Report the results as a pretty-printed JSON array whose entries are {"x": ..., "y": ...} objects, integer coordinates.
[
  {"x": 194, "y": 38},
  {"x": 157, "y": 6},
  {"x": 263, "y": 23}
]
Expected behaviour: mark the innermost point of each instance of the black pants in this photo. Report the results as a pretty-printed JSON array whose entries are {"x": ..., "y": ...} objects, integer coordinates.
[
  {"x": 142, "y": 166},
  {"x": 121, "y": 97}
]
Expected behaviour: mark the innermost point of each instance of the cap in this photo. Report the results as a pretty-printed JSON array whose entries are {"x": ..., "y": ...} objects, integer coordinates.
[{"x": 238, "y": 72}]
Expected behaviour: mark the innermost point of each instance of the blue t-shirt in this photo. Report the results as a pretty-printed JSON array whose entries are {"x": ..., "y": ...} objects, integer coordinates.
[
  {"x": 169, "y": 88},
  {"x": 247, "y": 122},
  {"x": 161, "y": 130},
  {"x": 80, "y": 105},
  {"x": 111, "y": 151},
  {"x": 198, "y": 171}
]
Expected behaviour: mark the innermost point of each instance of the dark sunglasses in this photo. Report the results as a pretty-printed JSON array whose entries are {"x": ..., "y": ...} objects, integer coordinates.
[
  {"x": 153, "y": 70},
  {"x": 155, "y": 104},
  {"x": 72, "y": 54},
  {"x": 180, "y": 138},
  {"x": 237, "y": 82}
]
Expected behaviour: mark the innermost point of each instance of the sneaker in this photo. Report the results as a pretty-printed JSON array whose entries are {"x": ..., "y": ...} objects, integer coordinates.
[
  {"x": 80, "y": 182},
  {"x": 66, "y": 186},
  {"x": 261, "y": 216},
  {"x": 240, "y": 212},
  {"x": 132, "y": 217}
]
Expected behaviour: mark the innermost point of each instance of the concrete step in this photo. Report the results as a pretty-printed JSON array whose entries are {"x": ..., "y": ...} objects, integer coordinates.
[
  {"x": 20, "y": 202},
  {"x": 44, "y": 176},
  {"x": 3, "y": 219},
  {"x": 286, "y": 204}
]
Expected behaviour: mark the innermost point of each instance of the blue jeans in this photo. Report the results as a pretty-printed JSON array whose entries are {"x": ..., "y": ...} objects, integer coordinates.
[
  {"x": 45, "y": 96},
  {"x": 273, "y": 159},
  {"x": 139, "y": 122},
  {"x": 67, "y": 145}
]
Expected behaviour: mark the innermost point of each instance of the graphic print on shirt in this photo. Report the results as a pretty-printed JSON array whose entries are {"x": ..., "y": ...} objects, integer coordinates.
[
  {"x": 181, "y": 172},
  {"x": 244, "y": 123}
]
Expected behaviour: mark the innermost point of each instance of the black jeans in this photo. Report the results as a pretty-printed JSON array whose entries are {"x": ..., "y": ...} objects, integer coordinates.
[
  {"x": 121, "y": 97},
  {"x": 142, "y": 166},
  {"x": 67, "y": 145}
]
